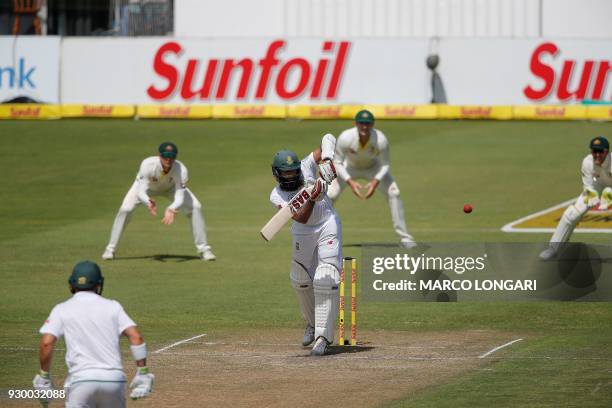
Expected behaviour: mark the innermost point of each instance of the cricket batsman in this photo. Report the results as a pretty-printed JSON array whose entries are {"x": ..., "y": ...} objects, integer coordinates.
[
  {"x": 317, "y": 239},
  {"x": 91, "y": 326},
  {"x": 596, "y": 192}
]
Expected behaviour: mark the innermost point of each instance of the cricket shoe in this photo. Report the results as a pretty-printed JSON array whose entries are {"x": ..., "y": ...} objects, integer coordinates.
[
  {"x": 207, "y": 255},
  {"x": 408, "y": 243},
  {"x": 108, "y": 255},
  {"x": 548, "y": 254},
  {"x": 308, "y": 335},
  {"x": 320, "y": 347}
]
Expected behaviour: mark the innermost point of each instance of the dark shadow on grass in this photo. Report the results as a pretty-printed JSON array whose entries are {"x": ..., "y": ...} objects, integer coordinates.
[
  {"x": 331, "y": 350},
  {"x": 161, "y": 258},
  {"x": 418, "y": 247}
]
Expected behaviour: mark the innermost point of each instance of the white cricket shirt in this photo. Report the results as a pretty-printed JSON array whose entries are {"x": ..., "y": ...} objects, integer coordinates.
[
  {"x": 350, "y": 153},
  {"x": 151, "y": 178},
  {"x": 595, "y": 176},
  {"x": 322, "y": 211},
  {"x": 91, "y": 326}
]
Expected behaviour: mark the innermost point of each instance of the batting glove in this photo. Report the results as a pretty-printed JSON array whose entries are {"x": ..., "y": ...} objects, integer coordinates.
[
  {"x": 42, "y": 382},
  {"x": 319, "y": 190},
  {"x": 327, "y": 171},
  {"x": 142, "y": 384}
]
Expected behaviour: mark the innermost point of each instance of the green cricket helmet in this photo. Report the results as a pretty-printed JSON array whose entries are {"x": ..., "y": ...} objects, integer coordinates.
[
  {"x": 364, "y": 116},
  {"x": 287, "y": 161},
  {"x": 599, "y": 143},
  {"x": 168, "y": 150},
  {"x": 86, "y": 275}
]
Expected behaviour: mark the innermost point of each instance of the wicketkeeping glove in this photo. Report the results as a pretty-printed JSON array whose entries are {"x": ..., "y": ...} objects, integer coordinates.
[
  {"x": 606, "y": 199},
  {"x": 327, "y": 171},
  {"x": 319, "y": 190},
  {"x": 591, "y": 197},
  {"x": 142, "y": 384}
]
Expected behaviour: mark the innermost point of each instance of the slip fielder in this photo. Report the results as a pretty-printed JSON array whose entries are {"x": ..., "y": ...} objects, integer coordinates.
[
  {"x": 596, "y": 191},
  {"x": 317, "y": 239},
  {"x": 162, "y": 175},
  {"x": 91, "y": 326},
  {"x": 362, "y": 152}
]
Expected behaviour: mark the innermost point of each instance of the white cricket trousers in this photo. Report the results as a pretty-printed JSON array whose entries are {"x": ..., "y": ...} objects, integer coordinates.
[
  {"x": 317, "y": 261},
  {"x": 94, "y": 394},
  {"x": 388, "y": 187},
  {"x": 191, "y": 207}
]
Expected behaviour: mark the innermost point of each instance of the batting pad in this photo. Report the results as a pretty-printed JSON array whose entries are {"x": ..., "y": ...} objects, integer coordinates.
[
  {"x": 302, "y": 285},
  {"x": 326, "y": 282}
]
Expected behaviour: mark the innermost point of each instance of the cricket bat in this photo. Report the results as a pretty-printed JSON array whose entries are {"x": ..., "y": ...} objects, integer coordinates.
[{"x": 278, "y": 221}]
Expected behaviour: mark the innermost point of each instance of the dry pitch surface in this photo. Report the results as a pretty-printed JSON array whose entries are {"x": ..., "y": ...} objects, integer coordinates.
[{"x": 271, "y": 369}]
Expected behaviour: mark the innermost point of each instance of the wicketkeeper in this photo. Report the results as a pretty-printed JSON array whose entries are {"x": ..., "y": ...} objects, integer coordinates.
[
  {"x": 91, "y": 326},
  {"x": 317, "y": 239},
  {"x": 596, "y": 192}
]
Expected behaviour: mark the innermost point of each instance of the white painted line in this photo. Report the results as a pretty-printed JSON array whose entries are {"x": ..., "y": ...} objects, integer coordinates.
[
  {"x": 179, "y": 342},
  {"x": 488, "y": 353},
  {"x": 510, "y": 226}
]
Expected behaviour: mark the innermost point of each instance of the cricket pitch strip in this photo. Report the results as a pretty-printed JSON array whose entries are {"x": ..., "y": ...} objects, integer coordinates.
[{"x": 271, "y": 369}]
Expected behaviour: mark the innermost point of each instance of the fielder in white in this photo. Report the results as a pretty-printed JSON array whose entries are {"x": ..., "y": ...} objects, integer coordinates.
[
  {"x": 317, "y": 240},
  {"x": 596, "y": 191},
  {"x": 162, "y": 175},
  {"x": 91, "y": 326},
  {"x": 362, "y": 152}
]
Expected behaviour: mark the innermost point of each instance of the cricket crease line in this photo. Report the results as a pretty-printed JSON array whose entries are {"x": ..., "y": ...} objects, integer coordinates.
[
  {"x": 179, "y": 342},
  {"x": 510, "y": 226},
  {"x": 488, "y": 353}
]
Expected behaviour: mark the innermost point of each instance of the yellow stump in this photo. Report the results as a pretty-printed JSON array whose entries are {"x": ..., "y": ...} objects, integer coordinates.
[
  {"x": 341, "y": 313},
  {"x": 354, "y": 302}
]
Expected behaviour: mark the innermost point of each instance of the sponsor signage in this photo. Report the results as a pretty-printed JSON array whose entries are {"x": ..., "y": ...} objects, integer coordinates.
[
  {"x": 484, "y": 76},
  {"x": 29, "y": 67}
]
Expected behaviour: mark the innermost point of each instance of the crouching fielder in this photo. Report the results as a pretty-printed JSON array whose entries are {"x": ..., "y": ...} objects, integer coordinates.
[
  {"x": 317, "y": 240},
  {"x": 597, "y": 191},
  {"x": 165, "y": 176},
  {"x": 91, "y": 326}
]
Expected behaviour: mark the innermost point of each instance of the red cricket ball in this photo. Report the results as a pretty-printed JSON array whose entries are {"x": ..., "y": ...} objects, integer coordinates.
[{"x": 467, "y": 208}]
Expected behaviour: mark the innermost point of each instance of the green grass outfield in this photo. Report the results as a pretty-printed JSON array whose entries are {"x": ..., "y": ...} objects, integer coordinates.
[{"x": 62, "y": 183}]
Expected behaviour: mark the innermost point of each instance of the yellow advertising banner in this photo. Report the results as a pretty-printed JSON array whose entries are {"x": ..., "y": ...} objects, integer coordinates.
[
  {"x": 30, "y": 111},
  {"x": 98, "y": 111},
  {"x": 550, "y": 112},
  {"x": 404, "y": 111},
  {"x": 249, "y": 111},
  {"x": 474, "y": 112},
  {"x": 174, "y": 111}
]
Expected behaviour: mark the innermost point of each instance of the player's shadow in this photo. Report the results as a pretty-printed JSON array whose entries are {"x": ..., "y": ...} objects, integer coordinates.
[
  {"x": 335, "y": 349},
  {"x": 161, "y": 258}
]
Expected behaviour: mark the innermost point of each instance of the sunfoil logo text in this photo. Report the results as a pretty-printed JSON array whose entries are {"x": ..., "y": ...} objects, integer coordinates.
[
  {"x": 197, "y": 79},
  {"x": 593, "y": 75},
  {"x": 17, "y": 77}
]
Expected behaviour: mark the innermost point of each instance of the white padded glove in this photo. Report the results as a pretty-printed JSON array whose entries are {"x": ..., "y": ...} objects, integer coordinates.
[
  {"x": 142, "y": 384},
  {"x": 327, "y": 171},
  {"x": 42, "y": 382},
  {"x": 319, "y": 190}
]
